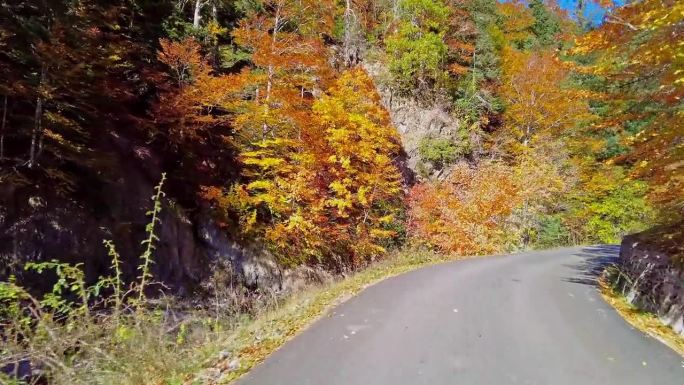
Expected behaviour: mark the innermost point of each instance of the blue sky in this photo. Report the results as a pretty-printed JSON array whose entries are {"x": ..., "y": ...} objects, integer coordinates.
[{"x": 593, "y": 12}]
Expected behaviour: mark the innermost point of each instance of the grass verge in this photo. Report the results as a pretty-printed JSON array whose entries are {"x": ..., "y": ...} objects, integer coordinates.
[
  {"x": 251, "y": 342},
  {"x": 642, "y": 320},
  {"x": 166, "y": 341}
]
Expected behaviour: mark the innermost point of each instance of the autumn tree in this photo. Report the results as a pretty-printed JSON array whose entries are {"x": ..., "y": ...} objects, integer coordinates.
[
  {"x": 468, "y": 212},
  {"x": 517, "y": 20},
  {"x": 364, "y": 191},
  {"x": 540, "y": 106},
  {"x": 544, "y": 125},
  {"x": 330, "y": 194},
  {"x": 289, "y": 62},
  {"x": 638, "y": 50},
  {"x": 198, "y": 100}
]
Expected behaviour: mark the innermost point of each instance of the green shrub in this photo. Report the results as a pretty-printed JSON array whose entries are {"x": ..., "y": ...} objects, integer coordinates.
[
  {"x": 416, "y": 50},
  {"x": 551, "y": 232},
  {"x": 622, "y": 212},
  {"x": 441, "y": 152},
  {"x": 610, "y": 206}
]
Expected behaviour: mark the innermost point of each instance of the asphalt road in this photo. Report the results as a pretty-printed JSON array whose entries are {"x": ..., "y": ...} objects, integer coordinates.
[{"x": 532, "y": 318}]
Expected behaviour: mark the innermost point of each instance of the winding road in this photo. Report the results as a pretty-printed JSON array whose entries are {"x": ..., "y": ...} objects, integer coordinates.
[{"x": 531, "y": 318}]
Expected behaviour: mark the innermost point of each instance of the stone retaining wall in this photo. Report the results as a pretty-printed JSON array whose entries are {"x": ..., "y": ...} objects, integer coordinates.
[{"x": 652, "y": 273}]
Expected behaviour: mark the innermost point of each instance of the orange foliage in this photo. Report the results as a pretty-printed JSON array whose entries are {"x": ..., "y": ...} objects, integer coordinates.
[
  {"x": 290, "y": 62},
  {"x": 658, "y": 23},
  {"x": 467, "y": 213},
  {"x": 183, "y": 58},
  {"x": 538, "y": 105},
  {"x": 199, "y": 100},
  {"x": 459, "y": 38},
  {"x": 333, "y": 189}
]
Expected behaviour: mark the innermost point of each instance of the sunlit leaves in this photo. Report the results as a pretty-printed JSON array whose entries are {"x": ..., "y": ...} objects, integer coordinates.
[
  {"x": 326, "y": 186},
  {"x": 640, "y": 54},
  {"x": 539, "y": 106},
  {"x": 417, "y": 49},
  {"x": 183, "y": 59},
  {"x": 467, "y": 213},
  {"x": 198, "y": 100}
]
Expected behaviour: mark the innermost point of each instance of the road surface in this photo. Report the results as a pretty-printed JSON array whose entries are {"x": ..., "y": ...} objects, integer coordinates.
[{"x": 532, "y": 318}]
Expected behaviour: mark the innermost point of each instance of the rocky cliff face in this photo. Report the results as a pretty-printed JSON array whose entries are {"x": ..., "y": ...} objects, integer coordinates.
[
  {"x": 39, "y": 224},
  {"x": 652, "y": 272},
  {"x": 416, "y": 120}
]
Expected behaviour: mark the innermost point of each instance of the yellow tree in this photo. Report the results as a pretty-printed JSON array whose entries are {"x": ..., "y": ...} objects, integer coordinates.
[
  {"x": 539, "y": 106},
  {"x": 361, "y": 146},
  {"x": 543, "y": 122},
  {"x": 271, "y": 116},
  {"x": 517, "y": 21},
  {"x": 330, "y": 193}
]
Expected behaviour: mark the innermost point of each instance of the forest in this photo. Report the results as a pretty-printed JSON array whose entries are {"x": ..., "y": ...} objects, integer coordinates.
[{"x": 271, "y": 130}]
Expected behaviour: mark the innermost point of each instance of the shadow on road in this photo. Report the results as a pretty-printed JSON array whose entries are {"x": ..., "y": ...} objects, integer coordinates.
[{"x": 595, "y": 259}]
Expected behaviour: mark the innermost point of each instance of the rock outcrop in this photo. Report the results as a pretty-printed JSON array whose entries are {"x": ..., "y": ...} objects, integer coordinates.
[
  {"x": 415, "y": 120},
  {"x": 39, "y": 224},
  {"x": 652, "y": 272}
]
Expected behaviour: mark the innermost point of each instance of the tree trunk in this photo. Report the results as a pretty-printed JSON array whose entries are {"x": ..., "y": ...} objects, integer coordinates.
[
  {"x": 37, "y": 135},
  {"x": 349, "y": 49},
  {"x": 271, "y": 72},
  {"x": 197, "y": 15},
  {"x": 2, "y": 129}
]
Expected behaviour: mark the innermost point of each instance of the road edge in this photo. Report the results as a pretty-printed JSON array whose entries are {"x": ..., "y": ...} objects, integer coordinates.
[
  {"x": 646, "y": 322},
  {"x": 253, "y": 341}
]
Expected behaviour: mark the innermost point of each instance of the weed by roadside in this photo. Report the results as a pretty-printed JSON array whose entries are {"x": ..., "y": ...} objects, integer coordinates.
[{"x": 111, "y": 333}]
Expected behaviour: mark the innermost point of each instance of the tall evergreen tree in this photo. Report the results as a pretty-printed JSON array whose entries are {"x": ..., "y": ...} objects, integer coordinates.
[{"x": 546, "y": 25}]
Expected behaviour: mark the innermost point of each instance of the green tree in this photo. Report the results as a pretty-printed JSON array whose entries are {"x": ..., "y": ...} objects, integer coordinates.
[
  {"x": 607, "y": 205},
  {"x": 476, "y": 91},
  {"x": 546, "y": 25},
  {"x": 416, "y": 48}
]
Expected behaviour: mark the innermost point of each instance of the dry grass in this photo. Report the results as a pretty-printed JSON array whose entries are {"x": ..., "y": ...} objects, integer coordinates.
[{"x": 642, "y": 320}]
